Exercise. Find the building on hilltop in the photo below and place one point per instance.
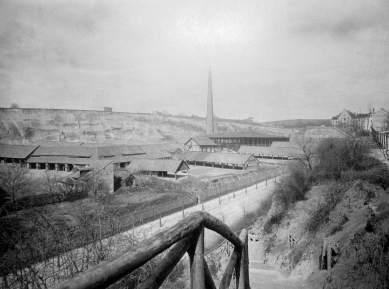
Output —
(348, 118)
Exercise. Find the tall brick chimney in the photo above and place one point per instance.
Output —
(209, 105)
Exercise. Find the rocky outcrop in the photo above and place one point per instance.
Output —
(24, 126)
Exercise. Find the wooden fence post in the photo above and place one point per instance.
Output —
(323, 251)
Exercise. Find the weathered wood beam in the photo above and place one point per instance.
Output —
(108, 272)
(244, 279)
(166, 266)
(209, 284)
(196, 254)
(214, 224)
(227, 276)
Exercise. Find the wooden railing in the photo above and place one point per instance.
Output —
(187, 236)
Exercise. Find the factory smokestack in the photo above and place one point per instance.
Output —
(209, 105)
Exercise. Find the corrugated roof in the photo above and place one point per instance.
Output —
(157, 165)
(202, 140)
(271, 151)
(16, 151)
(243, 135)
(66, 151)
(221, 158)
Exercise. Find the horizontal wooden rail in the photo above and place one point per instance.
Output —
(188, 235)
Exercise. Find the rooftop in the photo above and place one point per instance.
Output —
(157, 165)
(202, 140)
(220, 158)
(16, 151)
(243, 135)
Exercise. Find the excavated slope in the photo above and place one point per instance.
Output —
(23, 126)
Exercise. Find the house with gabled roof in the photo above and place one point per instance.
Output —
(201, 144)
(346, 117)
(157, 167)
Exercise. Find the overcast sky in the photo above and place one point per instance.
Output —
(270, 59)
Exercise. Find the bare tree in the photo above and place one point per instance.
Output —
(14, 180)
(49, 183)
(307, 153)
(14, 105)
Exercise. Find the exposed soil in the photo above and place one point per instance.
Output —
(357, 229)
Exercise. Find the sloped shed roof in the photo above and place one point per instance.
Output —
(158, 155)
(76, 151)
(202, 140)
(242, 135)
(273, 151)
(16, 151)
(221, 158)
(324, 132)
(158, 165)
(48, 143)
(285, 144)
(171, 147)
(60, 160)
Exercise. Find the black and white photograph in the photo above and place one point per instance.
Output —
(194, 144)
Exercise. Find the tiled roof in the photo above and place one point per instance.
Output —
(221, 158)
(242, 135)
(157, 165)
(202, 140)
(16, 151)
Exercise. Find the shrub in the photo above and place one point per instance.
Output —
(293, 188)
(319, 216)
(377, 175)
(274, 220)
(338, 227)
(334, 156)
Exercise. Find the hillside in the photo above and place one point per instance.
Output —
(23, 126)
(297, 123)
(343, 202)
